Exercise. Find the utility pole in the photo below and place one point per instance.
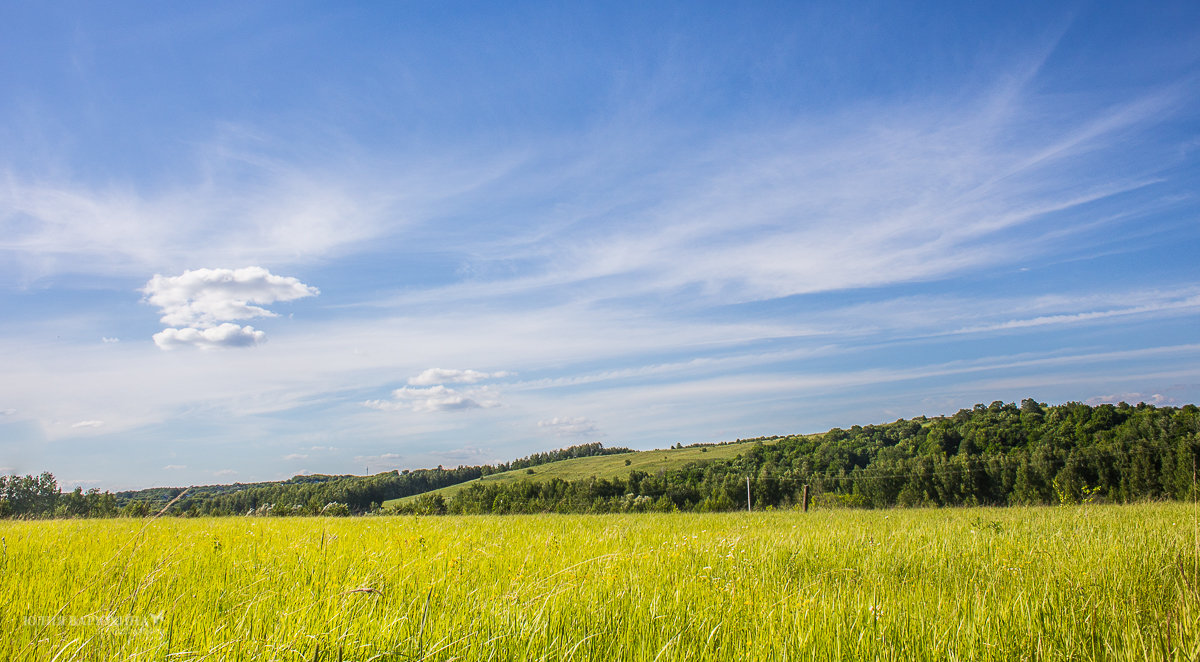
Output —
(748, 494)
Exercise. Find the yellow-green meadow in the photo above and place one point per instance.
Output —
(1078, 583)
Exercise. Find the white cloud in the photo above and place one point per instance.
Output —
(108, 340)
(225, 335)
(203, 298)
(225, 472)
(205, 302)
(7, 412)
(1182, 305)
(570, 427)
(175, 467)
(1148, 398)
(87, 424)
(434, 398)
(468, 455)
(448, 376)
(246, 202)
(387, 460)
(872, 197)
(295, 456)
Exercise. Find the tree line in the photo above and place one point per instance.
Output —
(998, 454)
(40, 496)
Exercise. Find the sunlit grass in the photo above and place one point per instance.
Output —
(1092, 582)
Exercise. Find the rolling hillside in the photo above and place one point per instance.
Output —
(607, 466)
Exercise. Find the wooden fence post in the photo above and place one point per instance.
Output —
(805, 498)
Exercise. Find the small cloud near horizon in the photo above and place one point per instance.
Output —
(569, 427)
(446, 376)
(434, 399)
(1131, 398)
(465, 455)
(80, 482)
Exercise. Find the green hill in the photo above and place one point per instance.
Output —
(606, 466)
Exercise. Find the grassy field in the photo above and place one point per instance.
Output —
(1078, 583)
(605, 466)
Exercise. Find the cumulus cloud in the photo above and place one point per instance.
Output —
(225, 335)
(201, 304)
(448, 376)
(428, 392)
(206, 297)
(88, 424)
(569, 427)
(434, 398)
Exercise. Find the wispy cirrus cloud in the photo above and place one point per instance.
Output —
(698, 280)
(243, 194)
(1184, 305)
(873, 198)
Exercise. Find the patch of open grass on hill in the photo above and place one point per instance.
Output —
(607, 466)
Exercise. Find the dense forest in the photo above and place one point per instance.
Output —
(999, 454)
(1002, 454)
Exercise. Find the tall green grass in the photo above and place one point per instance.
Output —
(1081, 583)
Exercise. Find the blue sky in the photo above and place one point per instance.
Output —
(240, 242)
